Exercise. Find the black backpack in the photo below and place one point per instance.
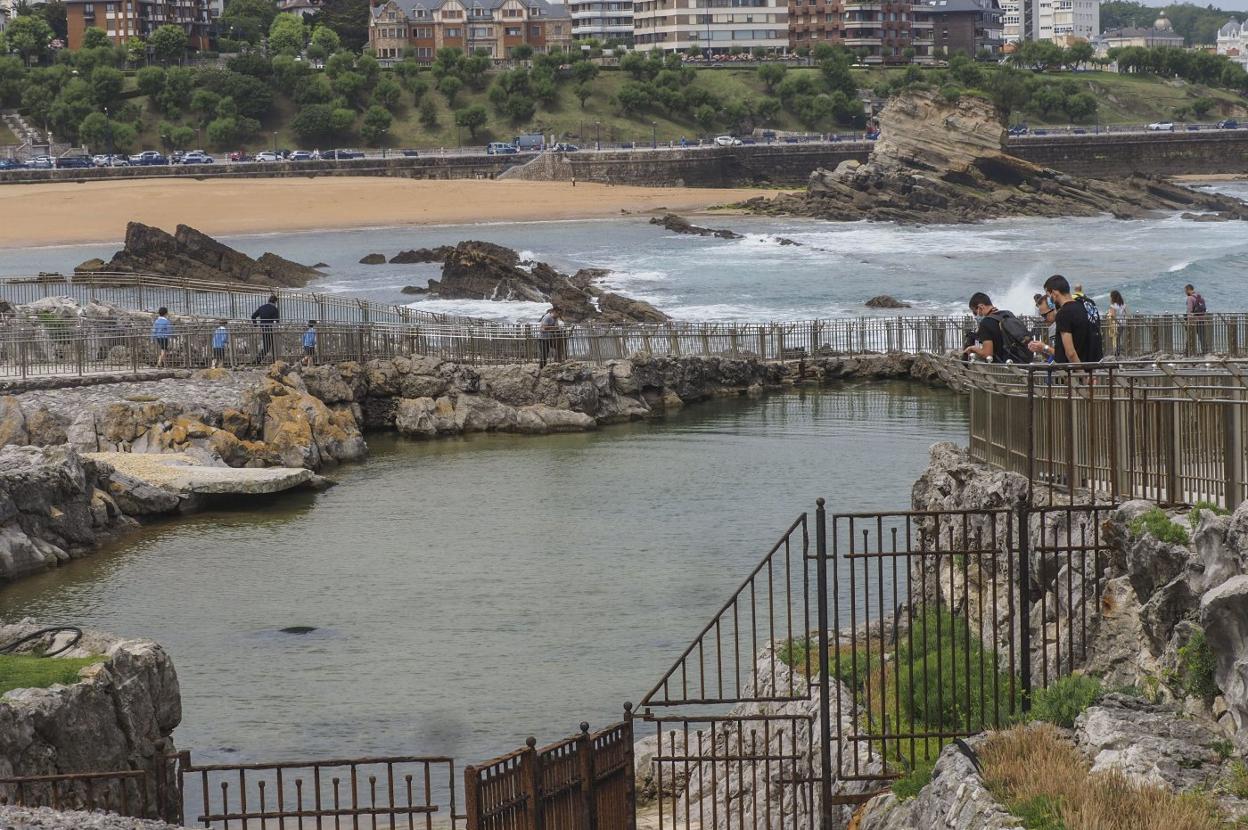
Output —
(1198, 304)
(1014, 337)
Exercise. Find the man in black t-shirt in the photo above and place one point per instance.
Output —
(1001, 336)
(1078, 337)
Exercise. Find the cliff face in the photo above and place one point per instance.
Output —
(945, 162)
(190, 254)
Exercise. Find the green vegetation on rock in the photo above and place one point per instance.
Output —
(1197, 665)
(1194, 517)
(1156, 523)
(1065, 700)
(24, 671)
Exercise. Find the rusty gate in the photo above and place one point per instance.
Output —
(839, 666)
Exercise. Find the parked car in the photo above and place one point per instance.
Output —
(566, 148)
(727, 141)
(1191, 128)
(409, 153)
(11, 164)
(41, 163)
(342, 154)
(72, 162)
(266, 155)
(239, 155)
(529, 143)
(500, 148)
(300, 155)
(115, 161)
(176, 156)
(198, 157)
(1018, 129)
(1161, 127)
(1228, 124)
(148, 157)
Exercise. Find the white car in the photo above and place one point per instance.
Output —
(727, 141)
(267, 155)
(1161, 127)
(197, 157)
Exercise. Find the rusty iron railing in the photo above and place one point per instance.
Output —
(581, 783)
(403, 791)
(132, 792)
(1170, 431)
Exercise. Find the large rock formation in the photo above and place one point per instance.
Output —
(946, 162)
(119, 715)
(194, 255)
(485, 271)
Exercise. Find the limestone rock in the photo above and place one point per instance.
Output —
(373, 259)
(885, 301)
(194, 255)
(1224, 616)
(139, 498)
(679, 224)
(45, 818)
(12, 422)
(1150, 743)
(418, 255)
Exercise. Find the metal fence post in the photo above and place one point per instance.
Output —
(630, 781)
(825, 694)
(1023, 620)
(1233, 454)
(1173, 434)
(585, 753)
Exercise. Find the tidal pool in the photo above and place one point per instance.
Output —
(468, 593)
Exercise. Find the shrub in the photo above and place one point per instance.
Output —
(1196, 667)
(908, 786)
(1156, 523)
(1062, 702)
(1194, 517)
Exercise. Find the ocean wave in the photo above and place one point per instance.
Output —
(516, 311)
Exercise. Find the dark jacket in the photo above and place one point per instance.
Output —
(266, 314)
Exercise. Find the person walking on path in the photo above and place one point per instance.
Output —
(162, 331)
(309, 344)
(220, 342)
(548, 331)
(266, 316)
(1117, 317)
(1078, 337)
(1197, 319)
(1001, 336)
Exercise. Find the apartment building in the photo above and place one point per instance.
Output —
(605, 20)
(717, 26)
(124, 19)
(1066, 21)
(970, 27)
(881, 31)
(492, 26)
(1016, 20)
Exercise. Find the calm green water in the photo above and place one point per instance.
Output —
(470, 593)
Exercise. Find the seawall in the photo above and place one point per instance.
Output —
(1208, 152)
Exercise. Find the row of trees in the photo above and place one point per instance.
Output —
(1197, 24)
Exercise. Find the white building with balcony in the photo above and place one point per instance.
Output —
(716, 26)
(1066, 21)
(604, 20)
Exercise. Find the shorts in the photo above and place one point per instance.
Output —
(162, 343)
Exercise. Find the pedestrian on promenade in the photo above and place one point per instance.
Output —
(1078, 336)
(266, 316)
(1197, 319)
(548, 331)
(1001, 336)
(220, 342)
(1117, 317)
(309, 344)
(162, 330)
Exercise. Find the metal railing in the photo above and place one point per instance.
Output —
(133, 792)
(1171, 431)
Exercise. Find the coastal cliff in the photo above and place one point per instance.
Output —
(945, 162)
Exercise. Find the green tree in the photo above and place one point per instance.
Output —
(248, 20)
(326, 41)
(429, 114)
(418, 88)
(376, 124)
(522, 52)
(1078, 54)
(1081, 106)
(93, 38)
(28, 36)
(388, 94)
(287, 35)
(135, 50)
(348, 19)
(706, 116)
(168, 43)
(473, 69)
(583, 92)
(106, 86)
(634, 96)
(450, 87)
(339, 62)
(1202, 106)
(315, 89)
(583, 72)
(342, 119)
(520, 108)
(314, 123)
(223, 133)
(772, 74)
(473, 117)
(351, 86)
(1008, 90)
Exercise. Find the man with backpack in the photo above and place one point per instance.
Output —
(1001, 336)
(1077, 325)
(1197, 318)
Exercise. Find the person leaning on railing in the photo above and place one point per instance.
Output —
(1077, 333)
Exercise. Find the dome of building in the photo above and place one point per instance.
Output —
(1163, 23)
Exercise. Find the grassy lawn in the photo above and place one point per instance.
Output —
(23, 671)
(6, 136)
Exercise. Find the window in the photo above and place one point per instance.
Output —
(536, 31)
(88, 9)
(454, 31)
(424, 52)
(514, 31)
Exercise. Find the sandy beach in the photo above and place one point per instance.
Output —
(68, 213)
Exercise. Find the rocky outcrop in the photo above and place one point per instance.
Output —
(956, 799)
(373, 259)
(885, 301)
(946, 162)
(54, 506)
(679, 224)
(194, 255)
(485, 271)
(119, 715)
(418, 255)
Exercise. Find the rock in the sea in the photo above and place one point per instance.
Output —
(885, 301)
(941, 161)
(679, 224)
(417, 255)
(373, 259)
(194, 255)
(413, 289)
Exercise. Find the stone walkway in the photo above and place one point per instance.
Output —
(181, 473)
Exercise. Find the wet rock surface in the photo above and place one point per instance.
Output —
(191, 254)
(679, 224)
(885, 301)
(418, 255)
(939, 162)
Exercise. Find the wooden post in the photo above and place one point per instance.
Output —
(585, 754)
(531, 786)
(472, 798)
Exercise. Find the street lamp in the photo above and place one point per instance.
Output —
(108, 131)
(654, 135)
(383, 141)
(597, 135)
(275, 145)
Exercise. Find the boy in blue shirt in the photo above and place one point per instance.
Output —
(220, 340)
(309, 344)
(162, 330)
